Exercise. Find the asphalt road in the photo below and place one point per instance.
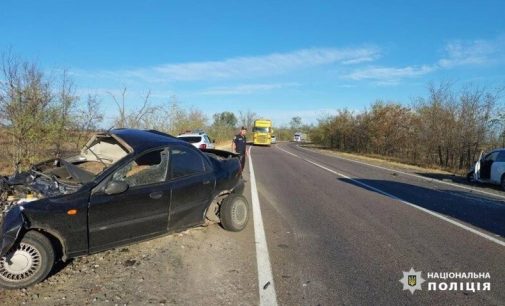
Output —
(337, 233)
(343, 233)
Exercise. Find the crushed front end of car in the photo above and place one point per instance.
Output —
(31, 186)
(19, 189)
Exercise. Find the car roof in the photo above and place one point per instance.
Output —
(141, 140)
(191, 134)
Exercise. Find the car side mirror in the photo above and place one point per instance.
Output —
(116, 187)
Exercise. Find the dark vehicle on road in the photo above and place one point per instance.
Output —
(126, 185)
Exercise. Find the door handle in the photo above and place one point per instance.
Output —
(156, 195)
(206, 182)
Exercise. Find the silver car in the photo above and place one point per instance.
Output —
(199, 140)
(490, 168)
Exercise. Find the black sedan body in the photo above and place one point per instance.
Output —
(147, 184)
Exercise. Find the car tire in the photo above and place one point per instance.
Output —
(502, 182)
(29, 264)
(234, 213)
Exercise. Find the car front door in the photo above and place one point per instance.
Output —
(138, 212)
(193, 183)
(498, 167)
(486, 164)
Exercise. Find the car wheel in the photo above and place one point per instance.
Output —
(502, 183)
(30, 263)
(234, 213)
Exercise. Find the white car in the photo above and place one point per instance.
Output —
(297, 137)
(274, 139)
(490, 168)
(199, 140)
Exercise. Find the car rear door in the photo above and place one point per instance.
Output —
(137, 213)
(192, 182)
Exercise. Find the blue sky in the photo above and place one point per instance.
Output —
(277, 58)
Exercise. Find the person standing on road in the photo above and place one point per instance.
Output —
(238, 145)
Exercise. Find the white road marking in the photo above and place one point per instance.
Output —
(265, 276)
(463, 226)
(418, 176)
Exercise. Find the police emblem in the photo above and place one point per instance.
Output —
(412, 280)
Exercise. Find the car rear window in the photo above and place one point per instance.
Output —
(191, 139)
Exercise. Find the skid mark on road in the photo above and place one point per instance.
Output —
(437, 215)
(265, 278)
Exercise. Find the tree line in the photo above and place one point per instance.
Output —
(173, 119)
(41, 116)
(39, 113)
(448, 128)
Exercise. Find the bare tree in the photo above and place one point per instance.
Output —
(247, 118)
(60, 112)
(136, 118)
(295, 123)
(120, 121)
(87, 119)
(141, 118)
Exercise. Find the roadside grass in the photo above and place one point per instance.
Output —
(384, 161)
(223, 145)
(42, 152)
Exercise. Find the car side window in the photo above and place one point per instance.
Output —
(149, 168)
(491, 156)
(501, 157)
(207, 139)
(185, 162)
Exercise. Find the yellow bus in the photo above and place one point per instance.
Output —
(262, 132)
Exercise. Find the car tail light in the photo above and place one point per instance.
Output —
(203, 146)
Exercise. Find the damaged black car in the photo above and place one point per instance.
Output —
(126, 185)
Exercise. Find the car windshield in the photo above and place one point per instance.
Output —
(191, 139)
(261, 129)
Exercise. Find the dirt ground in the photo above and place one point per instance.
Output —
(205, 265)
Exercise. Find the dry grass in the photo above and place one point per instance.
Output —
(44, 152)
(384, 161)
(223, 145)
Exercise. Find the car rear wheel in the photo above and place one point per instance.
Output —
(29, 263)
(234, 213)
